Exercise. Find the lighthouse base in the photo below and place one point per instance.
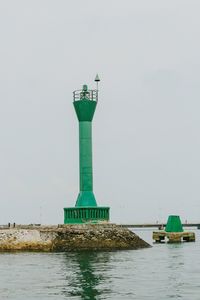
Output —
(87, 214)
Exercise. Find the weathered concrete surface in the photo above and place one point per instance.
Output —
(173, 237)
(69, 238)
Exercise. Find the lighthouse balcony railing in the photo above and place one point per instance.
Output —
(91, 95)
(78, 215)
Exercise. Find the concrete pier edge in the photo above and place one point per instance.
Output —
(63, 238)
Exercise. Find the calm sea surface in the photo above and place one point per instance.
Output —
(161, 272)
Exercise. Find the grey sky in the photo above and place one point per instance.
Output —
(146, 142)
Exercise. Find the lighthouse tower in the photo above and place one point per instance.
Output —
(86, 209)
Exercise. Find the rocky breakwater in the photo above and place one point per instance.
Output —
(69, 238)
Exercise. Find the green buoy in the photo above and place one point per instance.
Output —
(86, 209)
(174, 224)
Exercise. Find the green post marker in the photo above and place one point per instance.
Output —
(86, 209)
(174, 224)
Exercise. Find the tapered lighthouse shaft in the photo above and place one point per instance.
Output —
(85, 108)
(85, 156)
(86, 209)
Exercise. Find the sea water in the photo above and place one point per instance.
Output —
(165, 271)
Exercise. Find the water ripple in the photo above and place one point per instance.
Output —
(159, 273)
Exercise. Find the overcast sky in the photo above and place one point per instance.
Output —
(146, 141)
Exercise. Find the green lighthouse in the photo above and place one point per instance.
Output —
(86, 209)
